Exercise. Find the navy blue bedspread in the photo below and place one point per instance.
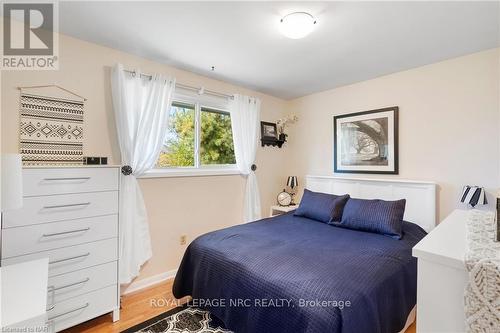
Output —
(293, 274)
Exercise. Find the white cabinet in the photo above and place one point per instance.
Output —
(442, 277)
(70, 216)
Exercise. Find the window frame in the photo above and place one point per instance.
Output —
(199, 102)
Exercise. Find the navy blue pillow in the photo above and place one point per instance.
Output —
(379, 216)
(322, 207)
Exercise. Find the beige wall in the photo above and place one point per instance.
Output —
(449, 133)
(448, 127)
(176, 206)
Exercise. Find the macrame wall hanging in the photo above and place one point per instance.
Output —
(51, 126)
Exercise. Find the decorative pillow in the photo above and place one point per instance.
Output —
(379, 216)
(322, 207)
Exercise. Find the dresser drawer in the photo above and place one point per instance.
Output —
(45, 181)
(82, 308)
(66, 286)
(49, 236)
(69, 259)
(53, 208)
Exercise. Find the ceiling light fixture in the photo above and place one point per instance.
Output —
(297, 25)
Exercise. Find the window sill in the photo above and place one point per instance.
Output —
(166, 173)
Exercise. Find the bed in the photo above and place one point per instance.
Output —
(294, 274)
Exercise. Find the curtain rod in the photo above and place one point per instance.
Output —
(200, 90)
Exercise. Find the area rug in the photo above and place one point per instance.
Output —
(181, 320)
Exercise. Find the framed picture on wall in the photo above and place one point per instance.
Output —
(366, 142)
(268, 130)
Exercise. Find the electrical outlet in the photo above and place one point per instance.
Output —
(183, 239)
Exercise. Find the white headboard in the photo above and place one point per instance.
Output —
(420, 195)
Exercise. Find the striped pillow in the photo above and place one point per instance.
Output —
(378, 216)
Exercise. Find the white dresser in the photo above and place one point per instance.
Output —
(69, 215)
(442, 276)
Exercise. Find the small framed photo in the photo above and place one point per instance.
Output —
(268, 130)
(366, 142)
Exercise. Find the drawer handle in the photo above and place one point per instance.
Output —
(68, 312)
(52, 288)
(70, 258)
(65, 178)
(52, 292)
(65, 232)
(67, 205)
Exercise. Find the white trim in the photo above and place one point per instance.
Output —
(197, 134)
(190, 172)
(384, 180)
(192, 97)
(148, 282)
(198, 102)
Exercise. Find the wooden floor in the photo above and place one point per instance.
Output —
(137, 308)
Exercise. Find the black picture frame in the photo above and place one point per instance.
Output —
(391, 149)
(265, 131)
(269, 135)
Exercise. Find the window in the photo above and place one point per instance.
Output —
(179, 147)
(216, 142)
(199, 138)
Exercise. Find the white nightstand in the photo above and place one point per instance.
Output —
(278, 210)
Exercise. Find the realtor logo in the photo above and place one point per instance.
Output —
(29, 36)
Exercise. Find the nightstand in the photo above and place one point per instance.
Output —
(278, 210)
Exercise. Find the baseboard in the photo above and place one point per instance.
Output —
(147, 282)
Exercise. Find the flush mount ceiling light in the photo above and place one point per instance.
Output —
(297, 25)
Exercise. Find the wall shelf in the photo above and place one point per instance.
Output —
(272, 142)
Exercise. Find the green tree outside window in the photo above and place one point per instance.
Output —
(216, 145)
(216, 139)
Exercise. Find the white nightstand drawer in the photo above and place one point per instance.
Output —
(66, 286)
(82, 308)
(69, 259)
(45, 181)
(53, 208)
(49, 236)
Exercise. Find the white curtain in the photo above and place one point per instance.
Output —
(141, 106)
(245, 118)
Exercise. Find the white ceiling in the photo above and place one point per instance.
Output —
(352, 42)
